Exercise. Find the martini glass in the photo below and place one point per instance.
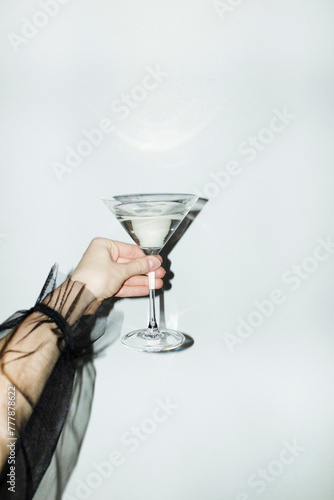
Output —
(150, 220)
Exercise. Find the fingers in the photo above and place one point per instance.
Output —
(159, 273)
(129, 251)
(124, 260)
(138, 290)
(139, 266)
(137, 286)
(112, 267)
(142, 280)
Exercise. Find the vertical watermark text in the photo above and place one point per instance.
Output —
(11, 429)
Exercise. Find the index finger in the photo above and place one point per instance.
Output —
(129, 251)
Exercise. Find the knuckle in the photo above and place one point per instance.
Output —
(96, 241)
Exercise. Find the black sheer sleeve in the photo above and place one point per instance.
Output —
(38, 351)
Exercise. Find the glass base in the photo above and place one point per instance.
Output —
(162, 340)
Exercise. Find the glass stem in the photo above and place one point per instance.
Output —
(152, 322)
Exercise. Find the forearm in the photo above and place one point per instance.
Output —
(26, 362)
(28, 354)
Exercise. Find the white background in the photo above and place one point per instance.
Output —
(227, 70)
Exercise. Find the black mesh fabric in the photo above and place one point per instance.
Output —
(76, 330)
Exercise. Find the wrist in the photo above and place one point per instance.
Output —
(72, 300)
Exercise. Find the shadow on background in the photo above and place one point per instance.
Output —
(188, 343)
(183, 227)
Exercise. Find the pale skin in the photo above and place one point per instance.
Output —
(107, 268)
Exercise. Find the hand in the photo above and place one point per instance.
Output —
(114, 268)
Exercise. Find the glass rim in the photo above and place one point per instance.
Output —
(141, 195)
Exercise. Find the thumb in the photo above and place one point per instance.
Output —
(140, 266)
